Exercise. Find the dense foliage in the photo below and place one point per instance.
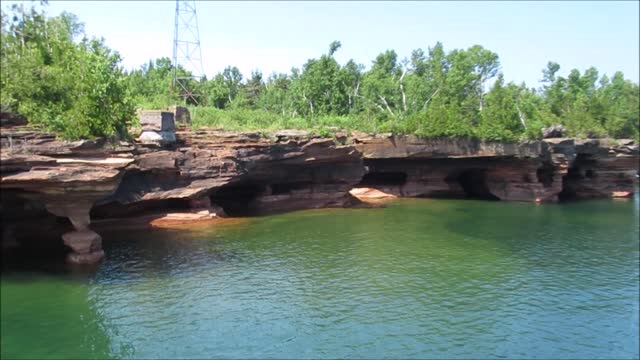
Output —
(56, 77)
(76, 88)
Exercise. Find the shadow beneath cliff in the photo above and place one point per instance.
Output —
(473, 183)
(256, 198)
(118, 210)
(31, 237)
(393, 178)
(575, 184)
(236, 199)
(34, 260)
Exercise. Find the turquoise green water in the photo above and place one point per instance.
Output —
(418, 279)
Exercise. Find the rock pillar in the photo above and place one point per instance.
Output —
(204, 203)
(85, 243)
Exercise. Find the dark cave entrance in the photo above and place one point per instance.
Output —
(474, 184)
(116, 209)
(545, 175)
(287, 188)
(236, 199)
(578, 174)
(574, 175)
(374, 179)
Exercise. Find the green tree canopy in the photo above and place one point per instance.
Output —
(56, 77)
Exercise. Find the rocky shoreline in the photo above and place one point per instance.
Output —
(207, 174)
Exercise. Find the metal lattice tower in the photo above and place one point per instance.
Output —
(186, 49)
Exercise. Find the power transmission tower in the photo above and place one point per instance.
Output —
(186, 50)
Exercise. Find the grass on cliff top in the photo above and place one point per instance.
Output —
(324, 125)
(261, 120)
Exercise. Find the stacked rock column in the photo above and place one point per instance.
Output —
(85, 243)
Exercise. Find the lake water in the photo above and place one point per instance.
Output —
(420, 278)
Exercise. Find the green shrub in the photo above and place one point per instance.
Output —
(75, 89)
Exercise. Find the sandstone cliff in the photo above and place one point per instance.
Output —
(239, 174)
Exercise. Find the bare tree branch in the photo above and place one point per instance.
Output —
(404, 96)
(387, 105)
(308, 101)
(521, 116)
(430, 97)
(355, 95)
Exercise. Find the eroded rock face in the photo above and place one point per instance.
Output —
(66, 177)
(243, 173)
(536, 171)
(409, 166)
(210, 173)
(601, 169)
(86, 245)
(411, 147)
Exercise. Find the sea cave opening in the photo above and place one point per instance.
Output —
(573, 176)
(287, 188)
(580, 172)
(392, 178)
(545, 175)
(474, 184)
(236, 199)
(116, 209)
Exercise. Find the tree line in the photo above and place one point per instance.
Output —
(58, 78)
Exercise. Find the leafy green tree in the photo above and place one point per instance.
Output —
(380, 85)
(151, 85)
(323, 89)
(56, 77)
(501, 118)
(276, 95)
(216, 92)
(620, 107)
(232, 79)
(251, 90)
(591, 106)
(351, 78)
(75, 88)
(334, 46)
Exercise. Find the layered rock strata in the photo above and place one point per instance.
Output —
(66, 178)
(540, 171)
(212, 173)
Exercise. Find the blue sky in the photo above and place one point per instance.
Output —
(274, 36)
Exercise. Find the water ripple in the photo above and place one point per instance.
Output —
(418, 279)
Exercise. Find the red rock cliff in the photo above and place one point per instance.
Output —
(247, 173)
